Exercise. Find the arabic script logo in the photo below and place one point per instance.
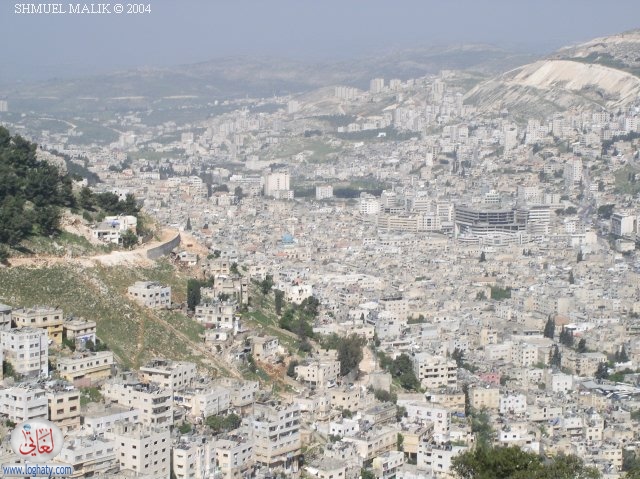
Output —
(37, 440)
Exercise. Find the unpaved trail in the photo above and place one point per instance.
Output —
(136, 256)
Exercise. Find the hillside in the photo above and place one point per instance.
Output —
(135, 334)
(603, 72)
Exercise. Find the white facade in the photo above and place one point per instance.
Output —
(27, 350)
(150, 294)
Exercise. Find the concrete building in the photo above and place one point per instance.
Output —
(100, 418)
(23, 403)
(79, 331)
(27, 350)
(194, 457)
(434, 372)
(167, 374)
(203, 402)
(155, 404)
(150, 294)
(218, 314)
(275, 182)
(234, 456)
(113, 227)
(64, 408)
(324, 192)
(5, 317)
(44, 317)
(376, 85)
(276, 434)
(86, 367)
(143, 450)
(623, 224)
(318, 373)
(90, 456)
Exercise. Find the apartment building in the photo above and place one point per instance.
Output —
(434, 372)
(23, 403)
(143, 450)
(318, 373)
(27, 350)
(99, 418)
(218, 314)
(89, 456)
(155, 404)
(203, 402)
(276, 434)
(80, 331)
(64, 407)
(373, 442)
(484, 398)
(264, 347)
(43, 317)
(5, 317)
(242, 393)
(194, 457)
(234, 456)
(150, 294)
(86, 367)
(167, 374)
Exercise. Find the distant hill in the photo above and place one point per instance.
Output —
(254, 77)
(602, 72)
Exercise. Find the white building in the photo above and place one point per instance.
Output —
(24, 403)
(324, 192)
(27, 350)
(169, 374)
(150, 294)
(143, 450)
(276, 182)
(376, 85)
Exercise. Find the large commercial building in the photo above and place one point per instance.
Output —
(483, 222)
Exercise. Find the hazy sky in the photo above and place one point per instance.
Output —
(187, 31)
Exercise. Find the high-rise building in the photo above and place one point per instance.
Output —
(4, 106)
(376, 85)
(324, 192)
(276, 181)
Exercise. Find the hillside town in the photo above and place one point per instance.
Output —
(384, 280)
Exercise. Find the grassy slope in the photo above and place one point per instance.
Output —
(135, 334)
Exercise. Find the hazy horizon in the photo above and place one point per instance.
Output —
(175, 33)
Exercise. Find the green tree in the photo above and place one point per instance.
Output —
(350, 353)
(266, 284)
(550, 328)
(621, 355)
(556, 357)
(566, 337)
(602, 372)
(367, 474)
(399, 442)
(129, 239)
(458, 357)
(86, 201)
(514, 463)
(580, 257)
(193, 293)
(279, 301)
(582, 346)
(572, 279)
(291, 369)
(233, 269)
(483, 257)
